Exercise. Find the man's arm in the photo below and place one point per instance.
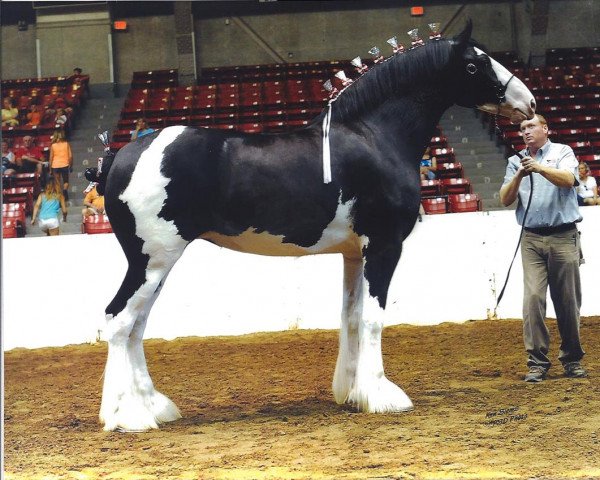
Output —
(560, 178)
(510, 191)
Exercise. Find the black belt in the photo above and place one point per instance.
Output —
(550, 230)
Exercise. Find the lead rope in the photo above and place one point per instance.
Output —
(522, 224)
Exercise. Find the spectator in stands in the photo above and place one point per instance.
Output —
(9, 167)
(61, 161)
(141, 129)
(60, 119)
(93, 201)
(428, 165)
(47, 205)
(80, 80)
(34, 117)
(29, 157)
(10, 113)
(587, 191)
(550, 248)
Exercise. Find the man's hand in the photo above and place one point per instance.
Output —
(529, 165)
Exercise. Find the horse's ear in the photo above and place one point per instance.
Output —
(462, 39)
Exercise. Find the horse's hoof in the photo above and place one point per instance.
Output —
(138, 413)
(380, 396)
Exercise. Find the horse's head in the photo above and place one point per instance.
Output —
(487, 85)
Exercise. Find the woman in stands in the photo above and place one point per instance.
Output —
(61, 160)
(428, 165)
(48, 204)
(587, 191)
(34, 116)
(93, 202)
(9, 167)
(10, 114)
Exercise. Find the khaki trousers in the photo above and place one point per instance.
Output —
(551, 261)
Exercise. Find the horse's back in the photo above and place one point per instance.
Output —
(213, 182)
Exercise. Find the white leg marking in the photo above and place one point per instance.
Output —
(345, 368)
(372, 391)
(359, 377)
(129, 400)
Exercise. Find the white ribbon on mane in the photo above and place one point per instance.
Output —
(326, 148)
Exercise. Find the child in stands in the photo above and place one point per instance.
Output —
(48, 204)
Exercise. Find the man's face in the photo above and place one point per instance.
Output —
(535, 134)
(27, 141)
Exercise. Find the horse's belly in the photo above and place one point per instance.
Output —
(264, 243)
(337, 237)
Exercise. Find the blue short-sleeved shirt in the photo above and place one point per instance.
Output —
(551, 206)
(49, 208)
(142, 133)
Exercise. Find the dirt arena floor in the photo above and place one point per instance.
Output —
(260, 407)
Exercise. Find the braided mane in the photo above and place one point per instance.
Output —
(393, 77)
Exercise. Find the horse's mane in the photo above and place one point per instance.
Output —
(392, 77)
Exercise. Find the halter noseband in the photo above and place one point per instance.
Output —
(501, 90)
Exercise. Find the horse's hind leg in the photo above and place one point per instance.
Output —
(129, 400)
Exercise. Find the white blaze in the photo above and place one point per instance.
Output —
(518, 103)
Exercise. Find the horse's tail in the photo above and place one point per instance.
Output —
(100, 174)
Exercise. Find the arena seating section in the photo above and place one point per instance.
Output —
(20, 190)
(283, 97)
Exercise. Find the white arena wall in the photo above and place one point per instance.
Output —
(55, 289)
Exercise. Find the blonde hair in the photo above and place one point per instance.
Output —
(588, 170)
(53, 189)
(58, 136)
(541, 119)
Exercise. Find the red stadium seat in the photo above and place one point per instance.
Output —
(434, 206)
(93, 224)
(19, 195)
(27, 180)
(464, 202)
(455, 185)
(449, 170)
(9, 228)
(19, 219)
(431, 188)
(249, 127)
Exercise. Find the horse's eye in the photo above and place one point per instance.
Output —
(471, 68)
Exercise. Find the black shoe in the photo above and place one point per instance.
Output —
(574, 370)
(535, 374)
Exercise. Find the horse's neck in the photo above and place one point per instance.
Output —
(410, 120)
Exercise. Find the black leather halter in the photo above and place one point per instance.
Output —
(501, 90)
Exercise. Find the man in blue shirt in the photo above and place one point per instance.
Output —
(141, 129)
(550, 247)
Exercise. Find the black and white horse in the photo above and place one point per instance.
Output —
(265, 194)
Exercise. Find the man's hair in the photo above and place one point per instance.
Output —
(541, 119)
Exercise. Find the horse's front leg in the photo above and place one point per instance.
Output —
(345, 369)
(360, 372)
